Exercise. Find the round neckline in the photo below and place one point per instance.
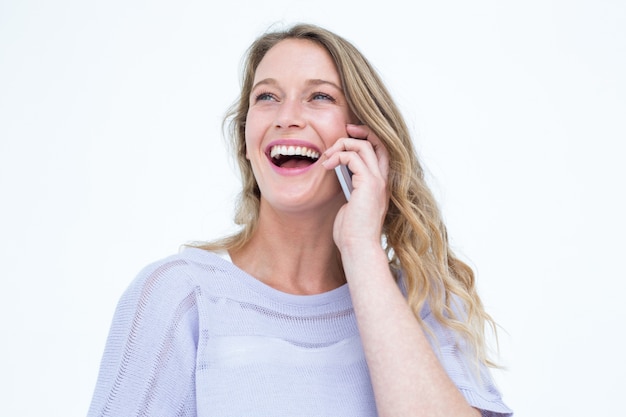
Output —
(340, 294)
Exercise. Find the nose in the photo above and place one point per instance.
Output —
(290, 114)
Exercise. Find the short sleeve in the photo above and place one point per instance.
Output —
(148, 365)
(474, 381)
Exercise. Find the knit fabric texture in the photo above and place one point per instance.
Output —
(193, 335)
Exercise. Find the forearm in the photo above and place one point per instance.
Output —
(407, 378)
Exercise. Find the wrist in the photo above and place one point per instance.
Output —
(359, 250)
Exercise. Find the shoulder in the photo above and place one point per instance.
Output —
(180, 271)
(150, 355)
(165, 297)
(172, 282)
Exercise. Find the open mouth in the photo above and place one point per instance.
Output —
(293, 156)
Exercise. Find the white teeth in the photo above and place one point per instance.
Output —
(279, 150)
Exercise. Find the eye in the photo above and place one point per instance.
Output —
(264, 96)
(322, 96)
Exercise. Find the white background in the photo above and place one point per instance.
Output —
(111, 156)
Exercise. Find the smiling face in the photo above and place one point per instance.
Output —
(297, 110)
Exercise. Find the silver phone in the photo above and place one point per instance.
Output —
(345, 179)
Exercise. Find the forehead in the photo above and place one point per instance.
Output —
(297, 58)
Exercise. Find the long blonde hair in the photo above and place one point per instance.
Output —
(415, 236)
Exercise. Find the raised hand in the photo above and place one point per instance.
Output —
(360, 221)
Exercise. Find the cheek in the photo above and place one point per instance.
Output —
(249, 134)
(255, 128)
(334, 128)
(247, 145)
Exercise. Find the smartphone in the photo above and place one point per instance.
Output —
(345, 179)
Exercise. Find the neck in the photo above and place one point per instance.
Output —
(294, 253)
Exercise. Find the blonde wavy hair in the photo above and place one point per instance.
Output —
(414, 235)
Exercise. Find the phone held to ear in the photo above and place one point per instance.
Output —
(345, 179)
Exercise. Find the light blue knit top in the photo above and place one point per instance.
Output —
(194, 335)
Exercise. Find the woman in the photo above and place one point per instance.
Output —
(318, 306)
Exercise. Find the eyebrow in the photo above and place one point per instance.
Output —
(314, 82)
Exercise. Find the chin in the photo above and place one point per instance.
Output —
(305, 202)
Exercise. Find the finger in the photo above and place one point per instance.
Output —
(349, 158)
(364, 132)
(358, 131)
(382, 155)
(362, 148)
